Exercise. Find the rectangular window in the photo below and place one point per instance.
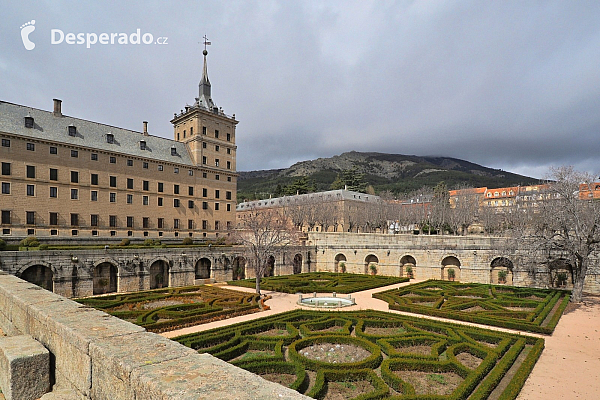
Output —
(113, 197)
(205, 205)
(113, 160)
(53, 192)
(5, 188)
(190, 224)
(229, 137)
(203, 145)
(94, 220)
(74, 194)
(216, 206)
(53, 218)
(30, 190)
(204, 130)
(145, 222)
(5, 168)
(228, 164)
(204, 192)
(145, 200)
(112, 221)
(161, 223)
(129, 183)
(146, 185)
(74, 177)
(129, 199)
(94, 156)
(176, 170)
(175, 189)
(228, 195)
(6, 217)
(130, 222)
(204, 175)
(228, 207)
(30, 171)
(228, 151)
(190, 203)
(145, 165)
(5, 142)
(113, 181)
(53, 174)
(204, 161)
(216, 225)
(216, 162)
(216, 134)
(191, 172)
(160, 187)
(228, 179)
(94, 195)
(94, 179)
(204, 225)
(74, 153)
(175, 202)
(74, 219)
(30, 217)
(217, 177)
(217, 194)
(217, 147)
(130, 163)
(190, 190)
(176, 223)
(160, 201)
(160, 167)
(31, 146)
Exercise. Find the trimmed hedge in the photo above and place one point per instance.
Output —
(321, 282)
(276, 344)
(538, 310)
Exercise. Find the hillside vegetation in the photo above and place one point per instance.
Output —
(396, 173)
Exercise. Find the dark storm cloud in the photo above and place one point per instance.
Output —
(511, 85)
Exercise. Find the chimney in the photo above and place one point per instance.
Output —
(145, 128)
(57, 108)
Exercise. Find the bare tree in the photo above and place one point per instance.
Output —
(563, 226)
(465, 211)
(261, 232)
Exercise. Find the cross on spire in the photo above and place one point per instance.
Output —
(206, 42)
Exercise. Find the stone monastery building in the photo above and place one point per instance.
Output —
(67, 177)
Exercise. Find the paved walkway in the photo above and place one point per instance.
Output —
(569, 367)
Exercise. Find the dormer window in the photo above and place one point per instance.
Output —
(72, 129)
(173, 151)
(110, 138)
(142, 145)
(28, 121)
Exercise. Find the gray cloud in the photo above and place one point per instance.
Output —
(510, 85)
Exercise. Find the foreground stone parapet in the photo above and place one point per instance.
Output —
(24, 368)
(100, 357)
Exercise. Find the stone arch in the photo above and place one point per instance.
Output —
(104, 277)
(40, 274)
(159, 273)
(371, 259)
(499, 264)
(297, 264)
(407, 261)
(558, 267)
(270, 269)
(239, 268)
(340, 263)
(202, 269)
(450, 262)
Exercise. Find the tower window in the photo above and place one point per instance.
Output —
(204, 130)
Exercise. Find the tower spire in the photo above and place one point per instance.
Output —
(205, 99)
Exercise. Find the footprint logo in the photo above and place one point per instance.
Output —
(26, 29)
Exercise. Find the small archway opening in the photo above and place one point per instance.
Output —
(40, 275)
(450, 268)
(270, 269)
(105, 278)
(560, 273)
(501, 271)
(203, 268)
(239, 268)
(159, 274)
(297, 264)
(371, 263)
(408, 265)
(340, 263)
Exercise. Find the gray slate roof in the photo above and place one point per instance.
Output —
(90, 134)
(330, 195)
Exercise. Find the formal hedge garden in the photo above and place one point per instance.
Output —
(321, 282)
(526, 309)
(173, 308)
(375, 355)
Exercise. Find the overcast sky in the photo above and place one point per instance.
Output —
(507, 84)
